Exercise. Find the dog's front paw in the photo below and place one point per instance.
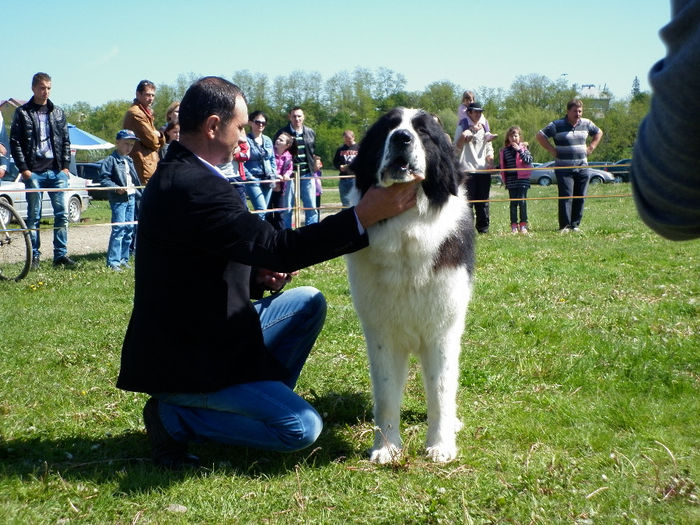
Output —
(385, 454)
(442, 453)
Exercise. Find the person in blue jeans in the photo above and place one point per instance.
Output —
(260, 166)
(305, 139)
(218, 358)
(118, 171)
(40, 147)
(263, 414)
(571, 151)
(342, 160)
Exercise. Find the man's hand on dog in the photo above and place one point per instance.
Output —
(380, 203)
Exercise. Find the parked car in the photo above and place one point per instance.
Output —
(545, 177)
(12, 191)
(621, 169)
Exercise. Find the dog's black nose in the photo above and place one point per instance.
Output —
(401, 137)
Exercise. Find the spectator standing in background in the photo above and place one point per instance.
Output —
(464, 122)
(305, 139)
(171, 115)
(40, 147)
(284, 167)
(570, 150)
(139, 119)
(514, 154)
(4, 157)
(118, 172)
(317, 174)
(171, 132)
(260, 166)
(344, 156)
(475, 154)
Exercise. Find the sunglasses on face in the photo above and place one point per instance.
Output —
(260, 122)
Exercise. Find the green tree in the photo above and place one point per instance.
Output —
(387, 82)
(635, 87)
(78, 113)
(440, 95)
(539, 91)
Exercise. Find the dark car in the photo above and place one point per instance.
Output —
(600, 164)
(91, 172)
(621, 169)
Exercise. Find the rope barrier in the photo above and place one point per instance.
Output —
(297, 209)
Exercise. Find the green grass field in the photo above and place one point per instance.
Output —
(579, 394)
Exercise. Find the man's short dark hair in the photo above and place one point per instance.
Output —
(575, 102)
(208, 96)
(40, 77)
(143, 85)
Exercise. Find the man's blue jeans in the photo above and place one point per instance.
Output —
(307, 188)
(262, 414)
(120, 239)
(53, 180)
(571, 183)
(345, 186)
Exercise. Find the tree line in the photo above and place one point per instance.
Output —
(355, 99)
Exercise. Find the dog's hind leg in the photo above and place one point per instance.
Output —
(388, 368)
(440, 363)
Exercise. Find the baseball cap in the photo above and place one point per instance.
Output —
(474, 106)
(126, 134)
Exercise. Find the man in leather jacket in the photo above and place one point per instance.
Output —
(40, 147)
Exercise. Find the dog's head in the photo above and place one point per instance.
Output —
(403, 145)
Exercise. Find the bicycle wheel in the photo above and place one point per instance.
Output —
(15, 244)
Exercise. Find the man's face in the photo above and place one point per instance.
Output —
(296, 117)
(227, 137)
(574, 114)
(41, 91)
(146, 96)
(349, 139)
(474, 115)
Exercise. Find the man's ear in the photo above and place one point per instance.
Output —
(211, 125)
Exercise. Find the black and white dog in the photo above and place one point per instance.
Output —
(412, 285)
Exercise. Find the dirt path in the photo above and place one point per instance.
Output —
(83, 239)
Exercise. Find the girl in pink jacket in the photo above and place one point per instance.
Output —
(515, 154)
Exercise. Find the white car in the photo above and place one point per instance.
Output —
(77, 198)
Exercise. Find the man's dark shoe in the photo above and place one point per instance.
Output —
(64, 261)
(165, 451)
(35, 262)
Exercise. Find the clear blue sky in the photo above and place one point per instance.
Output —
(97, 51)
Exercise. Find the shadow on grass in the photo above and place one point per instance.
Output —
(89, 257)
(124, 459)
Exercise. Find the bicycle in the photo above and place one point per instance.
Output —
(15, 244)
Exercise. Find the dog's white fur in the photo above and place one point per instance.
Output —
(408, 305)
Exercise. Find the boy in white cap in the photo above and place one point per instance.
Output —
(118, 171)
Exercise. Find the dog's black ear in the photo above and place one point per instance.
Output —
(371, 149)
(442, 176)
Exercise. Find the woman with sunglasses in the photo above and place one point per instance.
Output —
(260, 168)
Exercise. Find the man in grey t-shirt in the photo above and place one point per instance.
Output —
(570, 134)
